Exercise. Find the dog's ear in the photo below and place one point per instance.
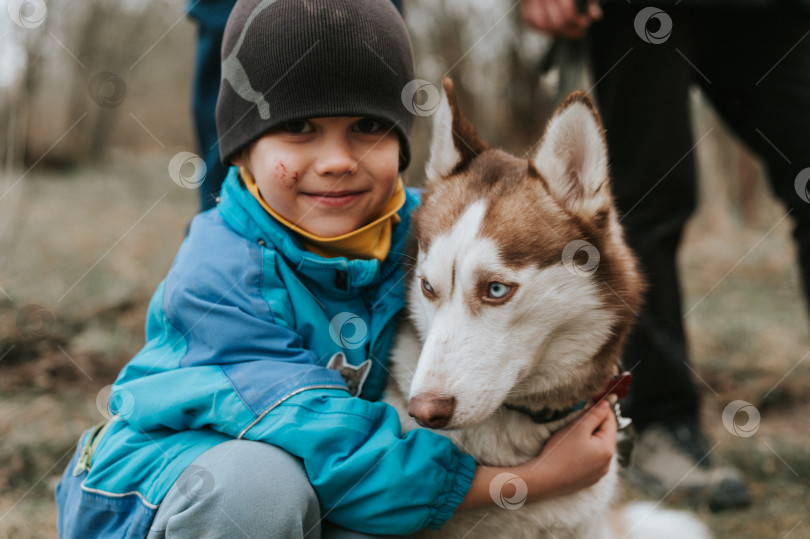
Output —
(455, 142)
(573, 157)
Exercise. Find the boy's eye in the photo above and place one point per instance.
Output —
(297, 126)
(369, 125)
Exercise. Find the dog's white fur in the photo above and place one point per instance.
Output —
(553, 342)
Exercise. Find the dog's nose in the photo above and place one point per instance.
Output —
(432, 410)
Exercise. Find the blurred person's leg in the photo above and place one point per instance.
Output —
(642, 89)
(211, 16)
(759, 70)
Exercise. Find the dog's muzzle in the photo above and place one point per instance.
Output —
(432, 410)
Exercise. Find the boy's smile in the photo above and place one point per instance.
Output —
(329, 176)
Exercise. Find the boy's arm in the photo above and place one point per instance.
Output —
(373, 479)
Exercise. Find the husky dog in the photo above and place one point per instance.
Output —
(521, 295)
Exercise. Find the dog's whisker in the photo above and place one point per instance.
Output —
(404, 254)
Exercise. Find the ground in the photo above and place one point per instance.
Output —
(83, 250)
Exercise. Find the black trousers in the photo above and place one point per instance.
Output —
(754, 66)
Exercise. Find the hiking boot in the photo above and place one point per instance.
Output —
(675, 460)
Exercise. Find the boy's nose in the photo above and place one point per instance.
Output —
(336, 158)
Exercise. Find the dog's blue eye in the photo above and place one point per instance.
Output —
(498, 290)
(427, 288)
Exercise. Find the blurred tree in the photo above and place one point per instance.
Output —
(72, 97)
(26, 45)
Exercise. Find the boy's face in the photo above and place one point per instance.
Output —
(329, 176)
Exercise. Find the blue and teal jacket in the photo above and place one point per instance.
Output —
(237, 341)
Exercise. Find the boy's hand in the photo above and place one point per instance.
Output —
(579, 455)
(560, 18)
(574, 458)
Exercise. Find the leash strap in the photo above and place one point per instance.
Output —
(626, 437)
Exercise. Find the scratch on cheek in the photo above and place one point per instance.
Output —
(281, 174)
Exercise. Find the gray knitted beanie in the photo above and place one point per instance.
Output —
(286, 60)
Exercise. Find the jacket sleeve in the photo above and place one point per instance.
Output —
(368, 475)
(217, 358)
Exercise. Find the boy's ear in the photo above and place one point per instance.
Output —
(455, 142)
(573, 157)
(239, 158)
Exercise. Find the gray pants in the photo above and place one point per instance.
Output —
(244, 489)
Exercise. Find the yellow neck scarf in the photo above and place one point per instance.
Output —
(370, 241)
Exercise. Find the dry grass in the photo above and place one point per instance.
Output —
(749, 341)
(88, 247)
(748, 327)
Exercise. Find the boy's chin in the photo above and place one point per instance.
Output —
(330, 228)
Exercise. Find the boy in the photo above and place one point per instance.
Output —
(229, 421)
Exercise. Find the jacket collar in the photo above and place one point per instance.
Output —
(243, 213)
